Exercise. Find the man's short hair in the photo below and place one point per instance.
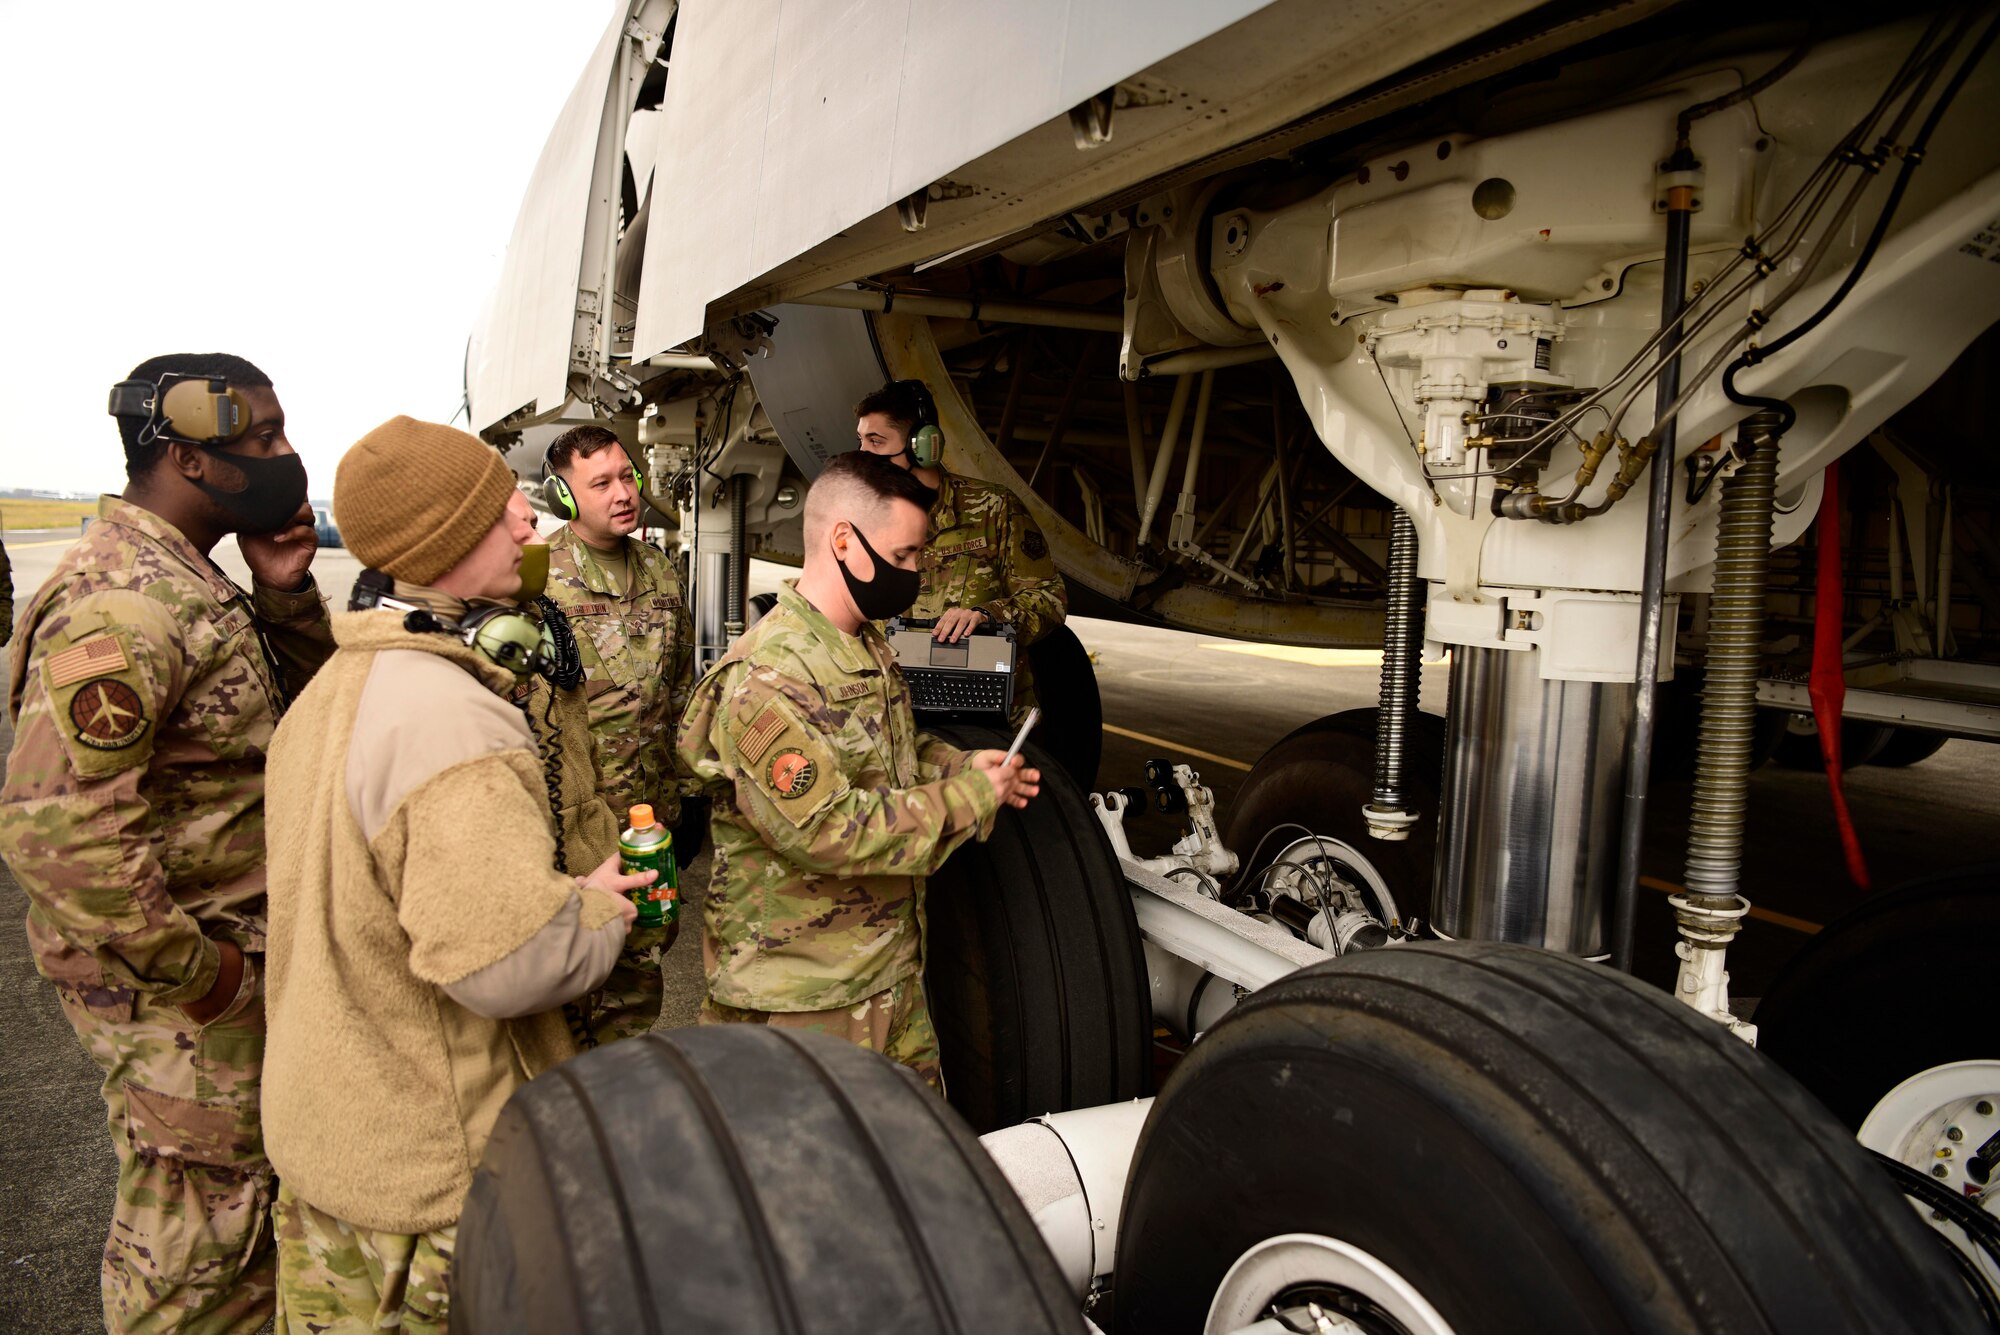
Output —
(858, 487)
(895, 401)
(139, 459)
(580, 442)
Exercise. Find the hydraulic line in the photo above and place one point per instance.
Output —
(1729, 686)
(1920, 65)
(1920, 71)
(1652, 592)
(1913, 157)
(1389, 815)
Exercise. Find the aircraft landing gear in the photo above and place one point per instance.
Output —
(1520, 1140)
(1318, 778)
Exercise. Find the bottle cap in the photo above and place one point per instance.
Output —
(642, 816)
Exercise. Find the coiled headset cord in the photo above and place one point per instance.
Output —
(564, 673)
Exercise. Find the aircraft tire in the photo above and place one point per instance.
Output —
(1888, 990)
(1524, 1140)
(736, 1178)
(1036, 976)
(1072, 726)
(1320, 776)
(1909, 746)
(1860, 743)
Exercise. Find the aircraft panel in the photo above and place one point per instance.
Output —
(870, 102)
(519, 356)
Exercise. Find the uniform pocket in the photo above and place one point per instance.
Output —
(164, 1126)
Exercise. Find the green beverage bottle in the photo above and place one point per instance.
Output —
(649, 846)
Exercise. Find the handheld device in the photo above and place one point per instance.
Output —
(1027, 725)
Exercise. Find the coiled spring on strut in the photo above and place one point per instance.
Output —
(1400, 651)
(1729, 687)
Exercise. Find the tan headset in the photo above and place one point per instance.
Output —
(194, 409)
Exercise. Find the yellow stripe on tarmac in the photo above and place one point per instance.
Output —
(1772, 916)
(52, 542)
(1166, 745)
(1291, 653)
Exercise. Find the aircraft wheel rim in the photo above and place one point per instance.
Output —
(1341, 853)
(1350, 1284)
(1913, 1123)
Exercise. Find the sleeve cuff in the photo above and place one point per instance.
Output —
(976, 805)
(287, 605)
(207, 965)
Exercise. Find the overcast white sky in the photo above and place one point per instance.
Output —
(324, 189)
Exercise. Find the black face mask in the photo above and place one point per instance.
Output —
(274, 490)
(889, 594)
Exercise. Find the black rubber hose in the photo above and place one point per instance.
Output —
(1749, 90)
(1912, 158)
(1979, 1226)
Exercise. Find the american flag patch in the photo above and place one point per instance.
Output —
(767, 728)
(95, 658)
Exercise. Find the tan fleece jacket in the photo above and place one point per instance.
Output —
(421, 938)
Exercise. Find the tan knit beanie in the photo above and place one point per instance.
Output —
(412, 498)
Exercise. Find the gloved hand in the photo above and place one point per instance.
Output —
(691, 830)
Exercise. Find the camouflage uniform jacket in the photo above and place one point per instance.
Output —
(6, 596)
(144, 689)
(830, 809)
(638, 663)
(983, 550)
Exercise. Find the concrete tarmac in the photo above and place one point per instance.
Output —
(1211, 703)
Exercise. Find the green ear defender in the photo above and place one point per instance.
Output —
(558, 497)
(562, 501)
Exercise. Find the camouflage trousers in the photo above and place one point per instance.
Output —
(629, 1002)
(337, 1278)
(190, 1243)
(895, 1022)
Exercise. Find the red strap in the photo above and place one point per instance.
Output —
(1828, 688)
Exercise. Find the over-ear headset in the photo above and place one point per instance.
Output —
(193, 409)
(504, 635)
(927, 441)
(562, 501)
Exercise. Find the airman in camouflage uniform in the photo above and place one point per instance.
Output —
(637, 643)
(6, 596)
(985, 559)
(638, 663)
(144, 690)
(831, 808)
(984, 551)
(334, 1273)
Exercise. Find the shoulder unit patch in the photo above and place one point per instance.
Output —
(107, 715)
(793, 773)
